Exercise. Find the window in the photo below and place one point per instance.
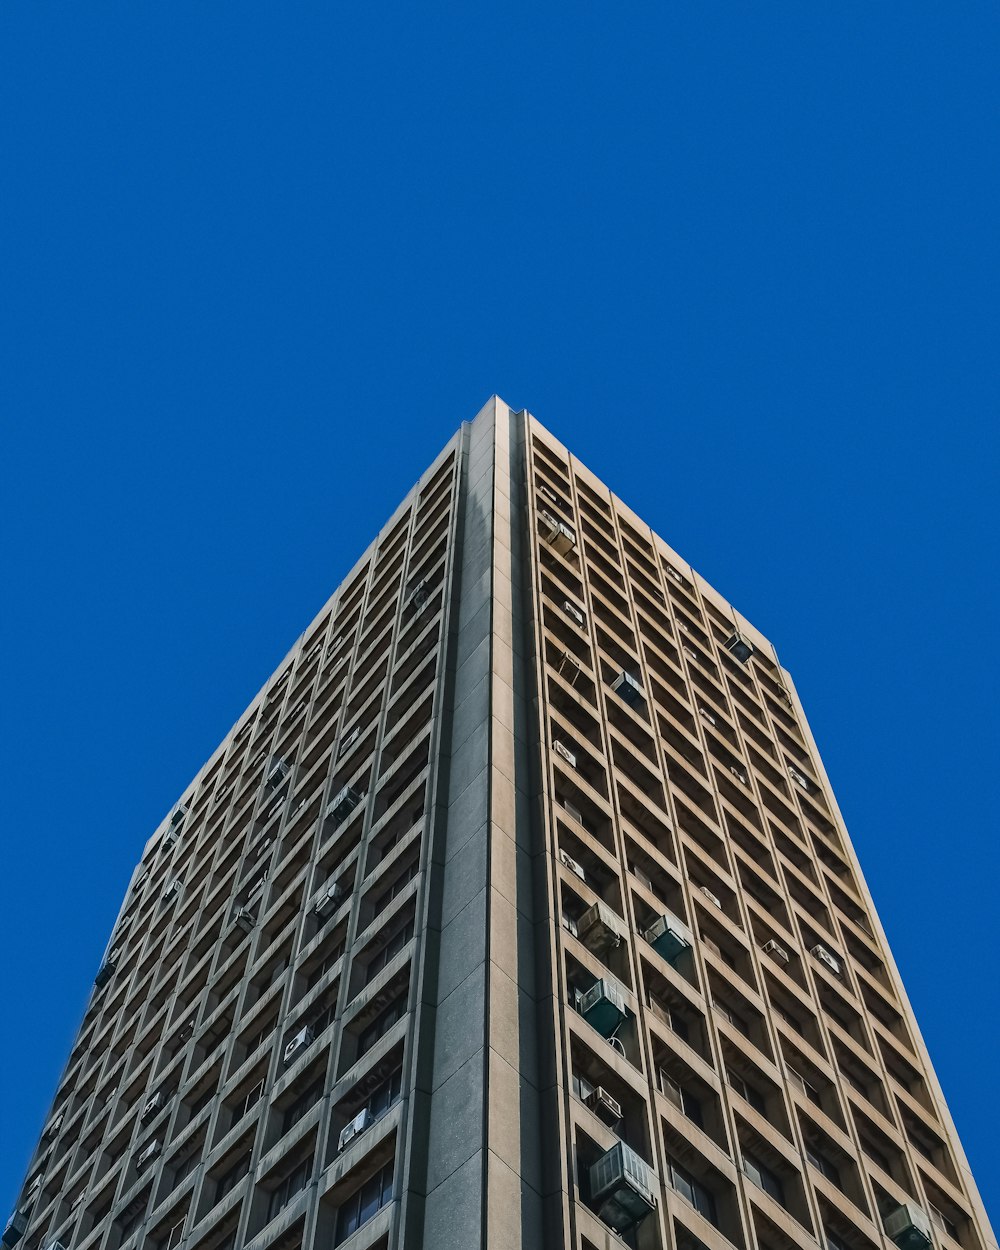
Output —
(747, 1092)
(305, 1102)
(252, 1098)
(296, 1180)
(397, 887)
(834, 1242)
(810, 1091)
(383, 1098)
(822, 1164)
(692, 1190)
(364, 1203)
(232, 1176)
(389, 951)
(941, 1222)
(681, 1099)
(381, 1025)
(172, 1236)
(763, 1177)
(737, 1021)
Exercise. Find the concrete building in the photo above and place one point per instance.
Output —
(515, 912)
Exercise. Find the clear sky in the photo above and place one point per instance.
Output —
(258, 261)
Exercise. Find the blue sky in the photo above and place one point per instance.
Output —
(742, 259)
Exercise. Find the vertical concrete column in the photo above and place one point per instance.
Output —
(480, 1079)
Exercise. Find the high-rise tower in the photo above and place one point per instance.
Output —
(515, 912)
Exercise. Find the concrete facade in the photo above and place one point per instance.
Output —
(516, 913)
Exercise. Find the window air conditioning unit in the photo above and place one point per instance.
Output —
(168, 842)
(628, 689)
(574, 613)
(297, 1044)
(349, 741)
(105, 972)
(53, 1126)
(707, 715)
(177, 819)
(713, 898)
(738, 773)
(328, 900)
(364, 1119)
(623, 1188)
(739, 647)
(153, 1105)
(343, 803)
(276, 774)
(418, 596)
(597, 928)
(564, 753)
(909, 1227)
(148, 1154)
(572, 865)
(172, 890)
(669, 937)
(826, 957)
(603, 1105)
(799, 779)
(15, 1228)
(558, 535)
(243, 918)
(603, 1006)
(776, 951)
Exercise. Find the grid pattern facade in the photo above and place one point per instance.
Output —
(516, 911)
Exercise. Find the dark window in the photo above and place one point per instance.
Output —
(681, 1098)
(822, 1164)
(764, 1177)
(747, 1092)
(305, 1102)
(364, 1203)
(383, 1098)
(397, 887)
(692, 1190)
(389, 951)
(232, 1176)
(381, 1025)
(293, 1183)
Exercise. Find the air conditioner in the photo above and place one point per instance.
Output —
(243, 918)
(826, 957)
(707, 715)
(53, 1126)
(168, 842)
(153, 1105)
(328, 900)
(669, 937)
(343, 803)
(558, 535)
(15, 1228)
(364, 1119)
(418, 596)
(628, 689)
(622, 1188)
(601, 1102)
(172, 890)
(297, 1044)
(565, 753)
(776, 951)
(798, 778)
(185, 1032)
(710, 896)
(602, 1006)
(597, 928)
(572, 865)
(148, 1154)
(350, 740)
(738, 646)
(574, 613)
(104, 973)
(909, 1227)
(177, 819)
(738, 773)
(276, 774)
